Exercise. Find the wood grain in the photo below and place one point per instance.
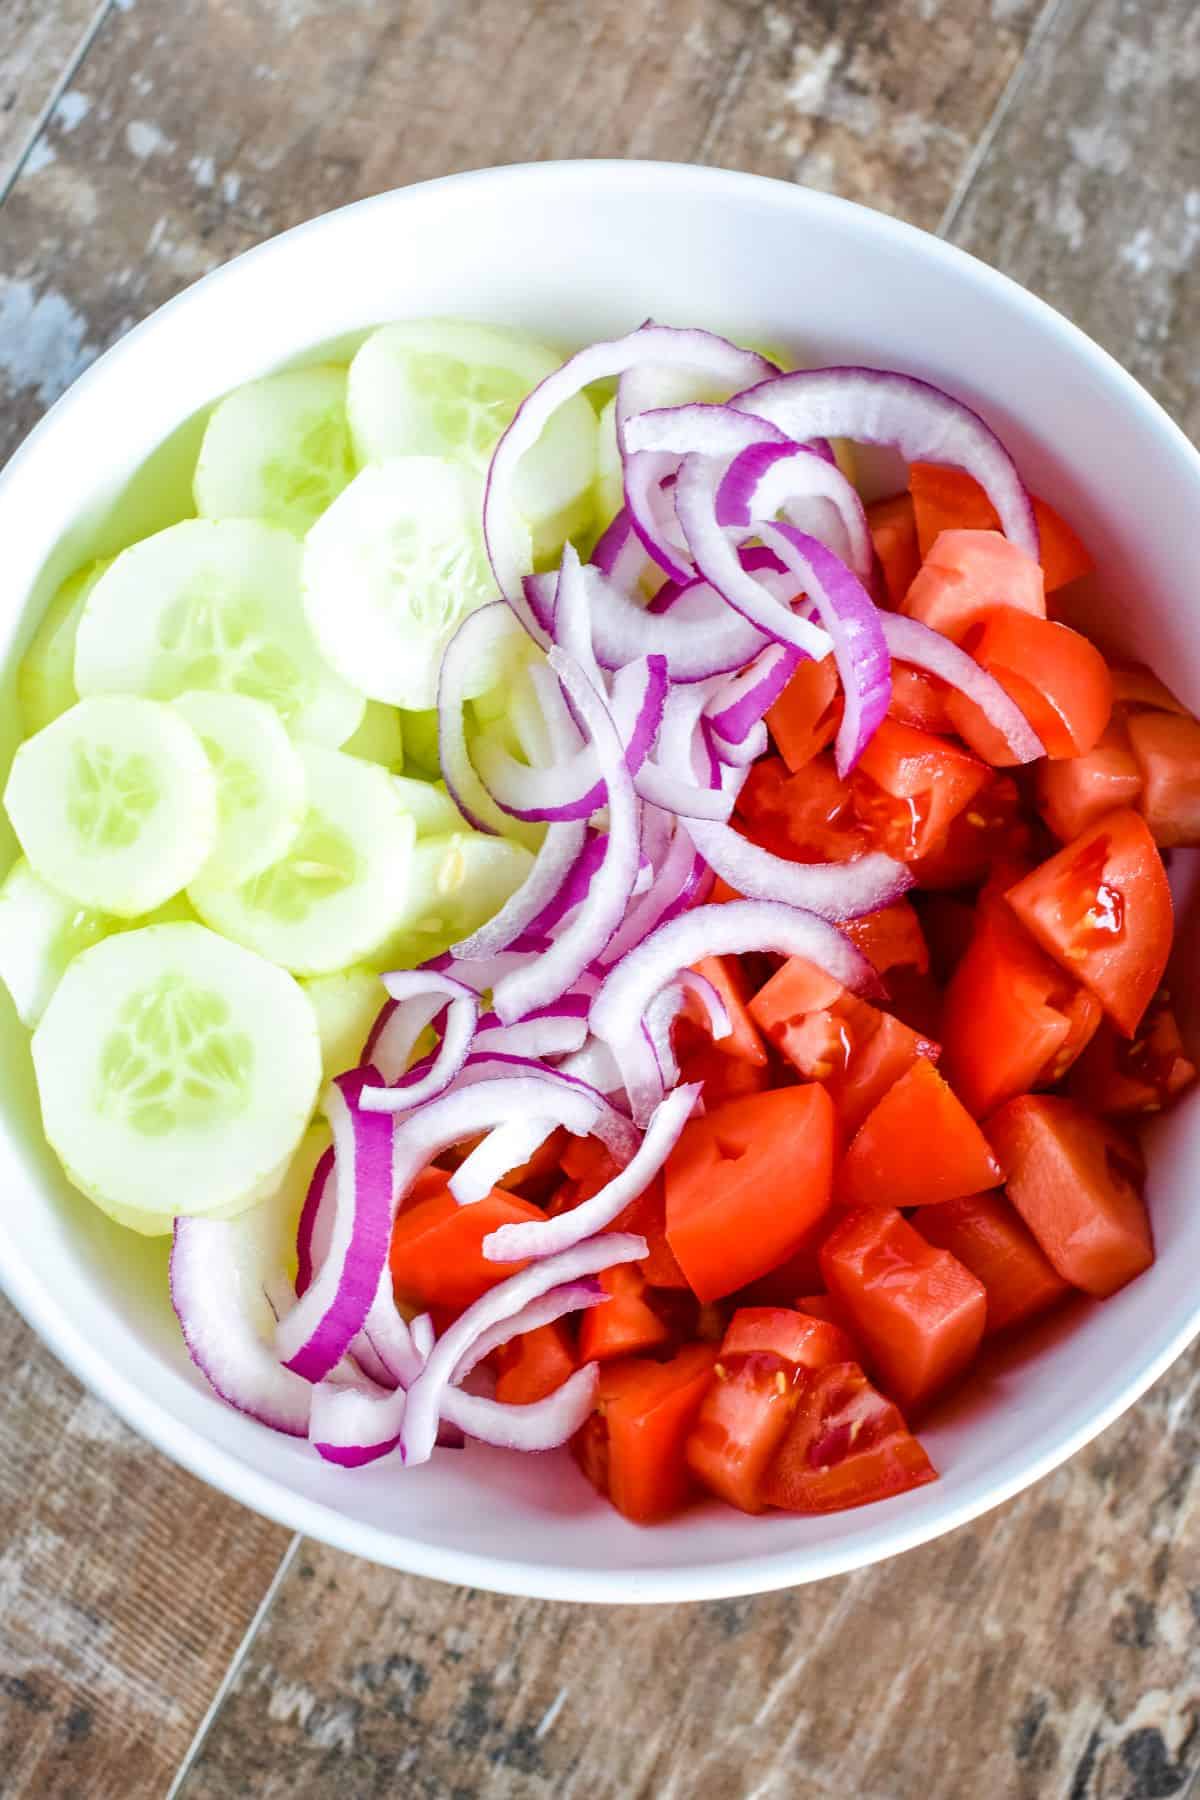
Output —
(39, 42)
(232, 120)
(125, 1588)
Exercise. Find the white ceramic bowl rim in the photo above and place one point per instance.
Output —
(895, 1526)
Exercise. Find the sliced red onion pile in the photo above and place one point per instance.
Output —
(741, 550)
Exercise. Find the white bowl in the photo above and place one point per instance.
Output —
(576, 251)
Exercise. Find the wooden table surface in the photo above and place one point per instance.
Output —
(154, 1637)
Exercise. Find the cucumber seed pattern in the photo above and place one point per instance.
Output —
(111, 795)
(299, 485)
(469, 404)
(322, 862)
(174, 1061)
(443, 574)
(212, 637)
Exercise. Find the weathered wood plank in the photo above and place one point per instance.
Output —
(125, 1588)
(208, 132)
(39, 42)
(1050, 1650)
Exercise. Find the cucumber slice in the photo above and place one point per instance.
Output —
(392, 570)
(115, 804)
(336, 896)
(346, 1006)
(609, 486)
(46, 677)
(261, 793)
(421, 755)
(40, 933)
(458, 882)
(277, 449)
(213, 604)
(443, 387)
(433, 811)
(380, 737)
(170, 1062)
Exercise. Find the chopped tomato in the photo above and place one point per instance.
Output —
(846, 1446)
(948, 925)
(824, 1306)
(745, 1183)
(778, 1287)
(749, 1404)
(1167, 751)
(724, 1077)
(989, 1237)
(919, 1312)
(945, 498)
(647, 1217)
(909, 785)
(436, 1250)
(1102, 908)
(1057, 677)
(1136, 685)
(1012, 1020)
(743, 1040)
(890, 938)
(623, 1324)
(920, 700)
(806, 715)
(807, 817)
(991, 827)
(1073, 793)
(1076, 1182)
(1120, 1077)
(633, 1447)
(531, 1366)
(797, 987)
(536, 1179)
(589, 1163)
(893, 527)
(966, 575)
(918, 1146)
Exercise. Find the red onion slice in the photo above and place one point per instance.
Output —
(502, 1150)
(574, 889)
(571, 1297)
(313, 1337)
(540, 1425)
(831, 890)
(537, 1237)
(477, 639)
(880, 406)
(852, 619)
(740, 704)
(544, 979)
(311, 1247)
(648, 481)
(554, 1035)
(911, 642)
(698, 428)
(610, 1126)
(532, 907)
(699, 637)
(651, 347)
(595, 1066)
(716, 554)
(503, 1302)
(621, 556)
(674, 889)
(619, 1009)
(418, 988)
(771, 478)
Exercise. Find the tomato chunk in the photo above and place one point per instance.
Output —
(807, 816)
(1012, 1020)
(1122, 1078)
(724, 1077)
(647, 1217)
(1059, 680)
(944, 498)
(746, 1183)
(909, 785)
(992, 828)
(920, 700)
(1102, 908)
(625, 1323)
(824, 1306)
(919, 1312)
(917, 1147)
(1076, 1182)
(846, 1446)
(531, 1366)
(436, 1252)
(1136, 685)
(749, 1405)
(806, 715)
(890, 938)
(743, 1040)
(988, 1236)
(633, 1447)
(893, 527)
(966, 575)
(1167, 751)
(1074, 793)
(797, 987)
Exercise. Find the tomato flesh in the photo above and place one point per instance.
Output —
(533, 1365)
(918, 1146)
(909, 785)
(846, 1446)
(742, 1040)
(1102, 908)
(968, 574)
(1076, 1182)
(807, 817)
(436, 1252)
(1123, 1077)
(893, 527)
(988, 1236)
(944, 498)
(1056, 676)
(918, 1311)
(1166, 749)
(633, 1447)
(1074, 793)
(805, 718)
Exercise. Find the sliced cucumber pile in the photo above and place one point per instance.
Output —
(334, 898)
(231, 776)
(172, 1062)
(277, 449)
(214, 604)
(115, 804)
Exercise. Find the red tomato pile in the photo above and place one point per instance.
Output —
(877, 1186)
